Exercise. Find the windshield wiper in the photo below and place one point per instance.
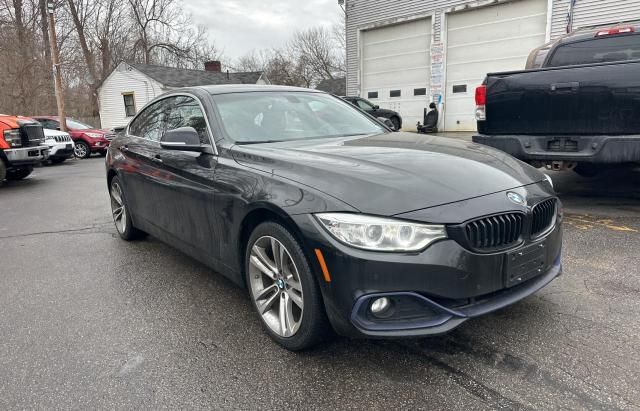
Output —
(242, 143)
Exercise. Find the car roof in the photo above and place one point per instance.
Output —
(247, 88)
(586, 33)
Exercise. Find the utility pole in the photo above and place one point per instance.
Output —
(55, 60)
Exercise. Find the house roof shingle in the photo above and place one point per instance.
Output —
(175, 77)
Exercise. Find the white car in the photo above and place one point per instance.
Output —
(60, 144)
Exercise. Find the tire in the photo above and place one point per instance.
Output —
(122, 220)
(18, 173)
(277, 294)
(396, 123)
(588, 170)
(57, 160)
(82, 150)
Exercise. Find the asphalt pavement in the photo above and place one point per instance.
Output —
(88, 321)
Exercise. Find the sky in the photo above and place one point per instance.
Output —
(239, 26)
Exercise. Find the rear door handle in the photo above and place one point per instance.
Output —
(157, 158)
(572, 86)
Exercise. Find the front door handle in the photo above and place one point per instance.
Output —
(157, 158)
(572, 86)
(124, 148)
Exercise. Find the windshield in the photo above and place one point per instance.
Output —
(76, 125)
(281, 116)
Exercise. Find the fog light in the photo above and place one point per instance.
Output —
(380, 306)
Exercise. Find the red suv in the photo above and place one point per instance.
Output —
(86, 138)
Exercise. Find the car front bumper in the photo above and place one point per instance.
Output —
(432, 292)
(61, 150)
(26, 155)
(589, 149)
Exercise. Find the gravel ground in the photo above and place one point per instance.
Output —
(90, 321)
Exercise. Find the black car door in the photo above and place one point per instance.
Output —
(186, 196)
(142, 176)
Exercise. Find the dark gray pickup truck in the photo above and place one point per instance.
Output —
(580, 110)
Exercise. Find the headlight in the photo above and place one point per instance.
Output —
(380, 234)
(93, 135)
(12, 137)
(549, 180)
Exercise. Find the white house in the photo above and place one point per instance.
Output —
(130, 86)
(403, 54)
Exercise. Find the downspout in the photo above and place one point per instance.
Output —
(572, 4)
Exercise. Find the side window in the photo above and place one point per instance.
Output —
(186, 112)
(151, 122)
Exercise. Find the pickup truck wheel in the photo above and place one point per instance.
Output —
(18, 174)
(3, 171)
(587, 170)
(120, 213)
(82, 150)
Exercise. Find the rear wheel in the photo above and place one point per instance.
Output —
(396, 122)
(283, 290)
(120, 213)
(18, 173)
(82, 150)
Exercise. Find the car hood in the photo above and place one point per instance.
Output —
(53, 133)
(391, 173)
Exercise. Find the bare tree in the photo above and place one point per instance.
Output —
(316, 49)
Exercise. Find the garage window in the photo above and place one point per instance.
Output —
(394, 93)
(461, 88)
(372, 94)
(419, 91)
(129, 104)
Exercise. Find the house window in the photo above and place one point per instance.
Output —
(372, 94)
(394, 93)
(129, 104)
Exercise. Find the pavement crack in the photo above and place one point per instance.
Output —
(70, 230)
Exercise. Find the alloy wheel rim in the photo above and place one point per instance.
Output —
(275, 286)
(117, 208)
(80, 150)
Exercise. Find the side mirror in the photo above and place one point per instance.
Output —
(387, 123)
(375, 107)
(183, 139)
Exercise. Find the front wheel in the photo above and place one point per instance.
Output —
(18, 173)
(57, 160)
(283, 289)
(82, 150)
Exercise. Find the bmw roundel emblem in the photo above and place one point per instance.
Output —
(515, 197)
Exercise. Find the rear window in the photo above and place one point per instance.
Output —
(598, 50)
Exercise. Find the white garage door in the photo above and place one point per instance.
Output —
(395, 68)
(489, 39)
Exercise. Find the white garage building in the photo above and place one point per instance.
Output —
(403, 54)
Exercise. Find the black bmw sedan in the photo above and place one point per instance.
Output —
(327, 218)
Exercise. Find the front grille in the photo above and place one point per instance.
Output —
(543, 215)
(61, 139)
(32, 134)
(495, 232)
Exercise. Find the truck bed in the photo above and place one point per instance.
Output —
(590, 100)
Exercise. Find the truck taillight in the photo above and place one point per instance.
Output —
(481, 101)
(617, 30)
